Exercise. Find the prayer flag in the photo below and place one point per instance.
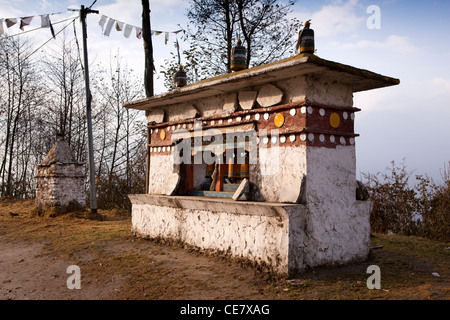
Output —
(166, 38)
(138, 32)
(119, 26)
(102, 21)
(109, 26)
(25, 21)
(10, 22)
(128, 29)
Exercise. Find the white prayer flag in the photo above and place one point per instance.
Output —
(166, 38)
(45, 21)
(128, 29)
(102, 21)
(138, 32)
(119, 26)
(109, 26)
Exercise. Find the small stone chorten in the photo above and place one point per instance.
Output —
(60, 179)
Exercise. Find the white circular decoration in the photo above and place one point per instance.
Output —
(248, 117)
(213, 122)
(238, 119)
(151, 131)
(159, 149)
(283, 139)
(220, 121)
(156, 130)
(164, 149)
(293, 112)
(265, 140)
(352, 141)
(352, 116)
(274, 139)
(345, 115)
(311, 137)
(303, 110)
(303, 137)
(168, 129)
(292, 137)
(322, 112)
(257, 117)
(266, 116)
(342, 140)
(310, 110)
(332, 139)
(230, 120)
(322, 138)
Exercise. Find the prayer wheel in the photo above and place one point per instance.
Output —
(238, 57)
(180, 79)
(307, 39)
(233, 169)
(244, 168)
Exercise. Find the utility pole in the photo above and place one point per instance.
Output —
(93, 192)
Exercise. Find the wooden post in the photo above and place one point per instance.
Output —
(148, 76)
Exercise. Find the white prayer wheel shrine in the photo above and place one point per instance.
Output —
(260, 164)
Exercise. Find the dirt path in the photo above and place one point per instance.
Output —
(35, 253)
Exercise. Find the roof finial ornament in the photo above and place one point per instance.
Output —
(305, 42)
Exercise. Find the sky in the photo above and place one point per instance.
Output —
(403, 39)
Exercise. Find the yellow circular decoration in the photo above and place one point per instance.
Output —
(335, 120)
(279, 120)
(162, 135)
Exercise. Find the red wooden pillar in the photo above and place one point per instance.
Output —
(220, 174)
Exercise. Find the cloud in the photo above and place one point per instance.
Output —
(337, 18)
(394, 43)
(441, 85)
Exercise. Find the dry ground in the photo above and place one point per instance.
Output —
(36, 251)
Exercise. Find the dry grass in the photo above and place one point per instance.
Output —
(105, 248)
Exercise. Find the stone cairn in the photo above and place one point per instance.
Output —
(60, 180)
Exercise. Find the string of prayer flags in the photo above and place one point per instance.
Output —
(107, 23)
(26, 21)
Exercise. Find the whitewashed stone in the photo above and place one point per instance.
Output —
(182, 112)
(269, 95)
(230, 103)
(155, 115)
(247, 99)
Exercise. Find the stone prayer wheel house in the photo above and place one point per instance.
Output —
(60, 179)
(260, 164)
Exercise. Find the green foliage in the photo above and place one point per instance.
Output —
(398, 207)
